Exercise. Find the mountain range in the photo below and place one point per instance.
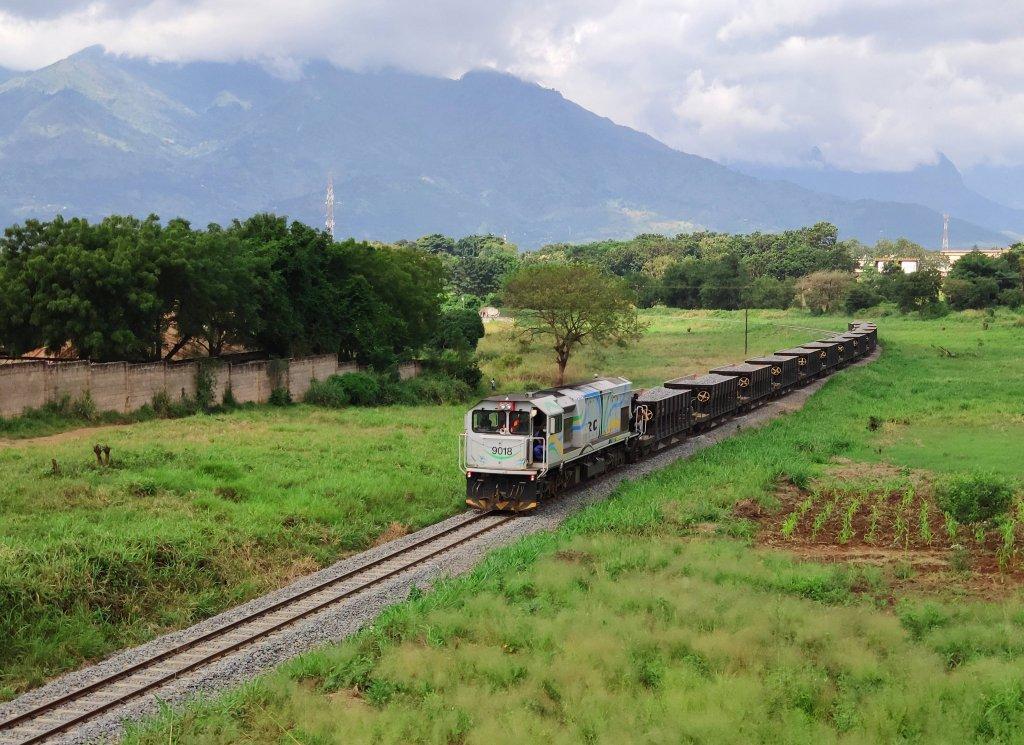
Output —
(939, 186)
(96, 134)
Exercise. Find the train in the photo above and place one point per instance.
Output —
(519, 449)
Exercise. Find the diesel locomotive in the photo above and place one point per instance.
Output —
(520, 449)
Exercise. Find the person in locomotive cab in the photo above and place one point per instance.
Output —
(538, 443)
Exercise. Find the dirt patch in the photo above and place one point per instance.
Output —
(879, 515)
(300, 568)
(393, 531)
(574, 556)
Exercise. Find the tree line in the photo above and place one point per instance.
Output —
(139, 290)
(808, 267)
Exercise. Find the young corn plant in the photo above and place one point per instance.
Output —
(822, 517)
(901, 526)
(790, 524)
(1007, 530)
(951, 526)
(846, 532)
(924, 528)
(877, 506)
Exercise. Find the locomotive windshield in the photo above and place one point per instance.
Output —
(488, 421)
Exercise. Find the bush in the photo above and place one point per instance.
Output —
(862, 296)
(974, 497)
(280, 397)
(436, 389)
(84, 408)
(371, 389)
(460, 365)
(459, 328)
(166, 408)
(1012, 298)
(934, 309)
(330, 393)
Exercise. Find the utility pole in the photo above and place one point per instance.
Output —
(745, 329)
(329, 204)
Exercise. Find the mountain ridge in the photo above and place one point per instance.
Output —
(939, 186)
(410, 155)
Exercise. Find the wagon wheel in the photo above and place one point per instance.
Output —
(703, 396)
(743, 382)
(776, 370)
(801, 361)
(645, 413)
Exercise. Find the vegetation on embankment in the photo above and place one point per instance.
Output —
(656, 615)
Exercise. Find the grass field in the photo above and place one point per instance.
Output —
(661, 616)
(197, 514)
(675, 342)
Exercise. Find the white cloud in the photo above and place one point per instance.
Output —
(873, 83)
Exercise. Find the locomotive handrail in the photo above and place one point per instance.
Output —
(544, 460)
(463, 448)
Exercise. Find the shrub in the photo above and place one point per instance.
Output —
(436, 389)
(84, 408)
(280, 397)
(330, 393)
(229, 401)
(862, 296)
(166, 408)
(974, 497)
(363, 388)
(357, 388)
(1012, 298)
(934, 309)
(460, 365)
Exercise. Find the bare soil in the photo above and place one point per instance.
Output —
(878, 515)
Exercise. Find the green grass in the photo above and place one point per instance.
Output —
(652, 617)
(676, 342)
(197, 514)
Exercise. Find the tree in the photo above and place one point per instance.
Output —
(769, 292)
(824, 292)
(862, 295)
(917, 289)
(571, 305)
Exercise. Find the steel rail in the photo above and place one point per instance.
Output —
(65, 699)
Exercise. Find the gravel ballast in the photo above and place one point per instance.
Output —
(350, 615)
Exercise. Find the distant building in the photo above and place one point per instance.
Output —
(946, 259)
(909, 266)
(953, 255)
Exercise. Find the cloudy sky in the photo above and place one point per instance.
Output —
(873, 84)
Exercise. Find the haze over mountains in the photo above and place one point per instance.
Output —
(97, 134)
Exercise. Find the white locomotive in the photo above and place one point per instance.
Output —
(521, 447)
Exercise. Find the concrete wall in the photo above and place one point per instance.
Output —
(123, 387)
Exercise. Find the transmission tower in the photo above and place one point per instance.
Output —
(945, 231)
(329, 204)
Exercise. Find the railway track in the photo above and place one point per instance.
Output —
(51, 719)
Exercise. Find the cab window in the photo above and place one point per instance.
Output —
(519, 423)
(487, 421)
(556, 424)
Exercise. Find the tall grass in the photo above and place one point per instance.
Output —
(623, 625)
